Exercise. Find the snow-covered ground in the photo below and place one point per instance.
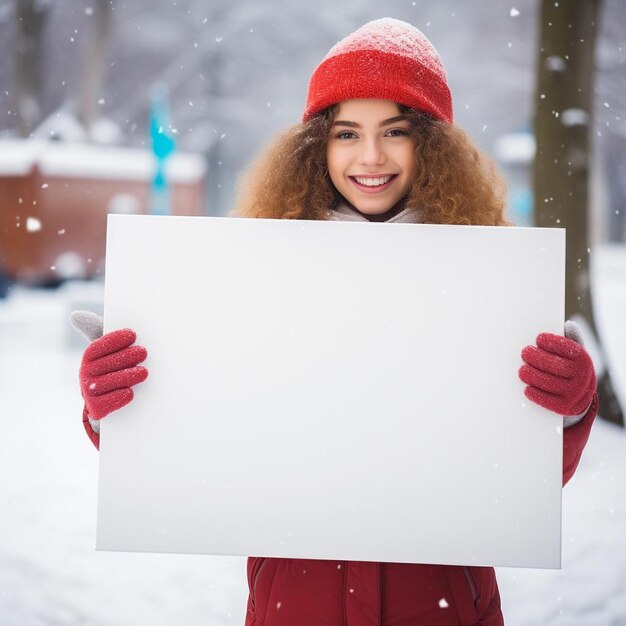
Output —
(50, 573)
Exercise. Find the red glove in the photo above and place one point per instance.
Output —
(559, 374)
(108, 370)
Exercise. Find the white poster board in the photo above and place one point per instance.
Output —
(333, 390)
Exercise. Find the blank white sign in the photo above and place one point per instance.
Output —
(333, 390)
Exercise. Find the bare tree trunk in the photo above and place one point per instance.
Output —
(93, 69)
(31, 17)
(563, 119)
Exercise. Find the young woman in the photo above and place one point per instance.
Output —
(376, 143)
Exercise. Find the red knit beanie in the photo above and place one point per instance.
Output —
(387, 59)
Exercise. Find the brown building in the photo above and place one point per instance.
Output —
(55, 196)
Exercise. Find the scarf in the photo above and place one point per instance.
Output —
(343, 213)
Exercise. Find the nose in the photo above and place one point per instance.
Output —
(372, 152)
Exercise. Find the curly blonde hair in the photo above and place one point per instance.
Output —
(455, 183)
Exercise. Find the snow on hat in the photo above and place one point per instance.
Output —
(387, 59)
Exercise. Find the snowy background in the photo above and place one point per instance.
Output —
(237, 72)
(51, 574)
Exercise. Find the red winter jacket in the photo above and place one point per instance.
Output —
(297, 592)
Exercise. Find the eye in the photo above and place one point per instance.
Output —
(398, 132)
(345, 134)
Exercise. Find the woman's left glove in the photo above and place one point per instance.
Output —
(559, 373)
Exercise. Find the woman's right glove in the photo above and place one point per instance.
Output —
(108, 370)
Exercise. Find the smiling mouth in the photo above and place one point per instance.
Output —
(373, 183)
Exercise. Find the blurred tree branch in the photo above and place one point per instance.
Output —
(31, 18)
(93, 68)
(563, 119)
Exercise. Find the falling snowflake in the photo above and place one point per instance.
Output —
(32, 224)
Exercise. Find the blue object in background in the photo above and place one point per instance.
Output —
(515, 152)
(521, 206)
(4, 285)
(162, 146)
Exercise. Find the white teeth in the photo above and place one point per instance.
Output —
(373, 182)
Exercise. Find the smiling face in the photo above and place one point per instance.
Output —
(370, 154)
